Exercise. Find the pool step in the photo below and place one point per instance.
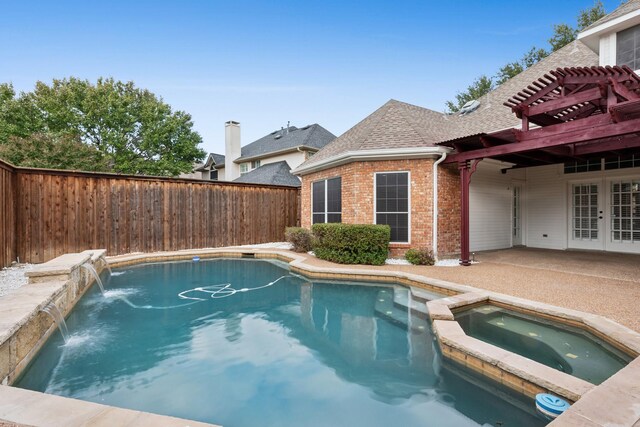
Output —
(393, 304)
(423, 295)
(401, 300)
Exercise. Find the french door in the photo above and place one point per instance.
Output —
(623, 227)
(605, 214)
(586, 225)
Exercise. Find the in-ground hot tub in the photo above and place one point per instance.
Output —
(242, 342)
(563, 347)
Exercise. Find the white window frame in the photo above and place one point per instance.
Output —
(255, 164)
(326, 196)
(244, 168)
(375, 203)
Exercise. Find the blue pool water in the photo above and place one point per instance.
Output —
(246, 343)
(562, 347)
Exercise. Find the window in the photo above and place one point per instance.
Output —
(392, 203)
(612, 162)
(326, 197)
(255, 164)
(628, 47)
(213, 175)
(583, 166)
(244, 168)
(622, 162)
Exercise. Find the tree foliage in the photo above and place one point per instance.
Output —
(133, 131)
(53, 151)
(563, 34)
(479, 87)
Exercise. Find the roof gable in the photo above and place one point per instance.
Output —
(394, 125)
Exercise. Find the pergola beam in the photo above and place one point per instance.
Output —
(555, 139)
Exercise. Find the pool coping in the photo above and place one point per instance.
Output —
(516, 372)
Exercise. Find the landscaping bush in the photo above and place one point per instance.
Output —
(352, 243)
(420, 256)
(300, 238)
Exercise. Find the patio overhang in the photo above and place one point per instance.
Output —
(568, 114)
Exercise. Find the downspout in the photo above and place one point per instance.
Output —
(434, 227)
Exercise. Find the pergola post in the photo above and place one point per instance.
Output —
(466, 171)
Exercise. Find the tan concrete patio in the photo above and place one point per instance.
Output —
(602, 283)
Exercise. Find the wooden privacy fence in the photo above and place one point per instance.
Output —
(47, 213)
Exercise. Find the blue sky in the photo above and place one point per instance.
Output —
(266, 63)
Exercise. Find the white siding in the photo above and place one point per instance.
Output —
(489, 208)
(546, 212)
(608, 49)
(294, 159)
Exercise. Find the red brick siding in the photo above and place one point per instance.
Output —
(358, 203)
(448, 211)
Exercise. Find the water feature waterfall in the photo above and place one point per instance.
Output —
(106, 264)
(52, 310)
(87, 266)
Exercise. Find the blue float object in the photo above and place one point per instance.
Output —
(551, 405)
(196, 258)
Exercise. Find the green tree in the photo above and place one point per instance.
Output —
(563, 34)
(514, 68)
(53, 152)
(591, 15)
(479, 87)
(133, 130)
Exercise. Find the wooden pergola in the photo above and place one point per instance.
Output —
(568, 114)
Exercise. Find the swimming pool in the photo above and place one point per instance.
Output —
(560, 346)
(245, 342)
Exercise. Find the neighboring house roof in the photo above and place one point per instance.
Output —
(623, 9)
(218, 159)
(312, 136)
(213, 159)
(278, 173)
(397, 125)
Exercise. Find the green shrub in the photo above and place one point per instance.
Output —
(420, 256)
(300, 238)
(352, 243)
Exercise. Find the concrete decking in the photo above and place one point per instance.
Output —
(607, 284)
(31, 408)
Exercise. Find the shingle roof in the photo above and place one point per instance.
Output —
(218, 159)
(214, 159)
(314, 136)
(623, 9)
(400, 125)
(278, 173)
(394, 125)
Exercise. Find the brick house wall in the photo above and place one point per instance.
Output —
(358, 200)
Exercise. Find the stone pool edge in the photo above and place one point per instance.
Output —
(516, 372)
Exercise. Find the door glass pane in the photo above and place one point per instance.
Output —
(585, 212)
(625, 212)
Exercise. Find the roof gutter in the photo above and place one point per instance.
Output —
(371, 155)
